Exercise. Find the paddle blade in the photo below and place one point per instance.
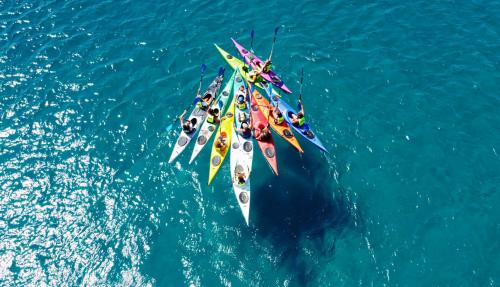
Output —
(252, 33)
(221, 71)
(169, 127)
(276, 30)
(203, 68)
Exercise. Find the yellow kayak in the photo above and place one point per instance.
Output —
(219, 154)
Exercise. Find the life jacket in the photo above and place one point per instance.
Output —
(302, 121)
(211, 119)
(202, 105)
(242, 106)
(279, 120)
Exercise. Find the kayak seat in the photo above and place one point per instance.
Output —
(229, 56)
(211, 128)
(238, 79)
(309, 134)
(255, 108)
(247, 147)
(224, 93)
(269, 152)
(287, 133)
(182, 141)
(216, 160)
(243, 197)
(258, 96)
(201, 140)
(238, 169)
(235, 145)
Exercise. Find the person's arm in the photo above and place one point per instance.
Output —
(181, 118)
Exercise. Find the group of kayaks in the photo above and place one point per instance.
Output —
(241, 121)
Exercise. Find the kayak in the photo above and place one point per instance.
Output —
(241, 152)
(260, 121)
(236, 63)
(282, 129)
(255, 61)
(207, 129)
(217, 156)
(304, 130)
(198, 114)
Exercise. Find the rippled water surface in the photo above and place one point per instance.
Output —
(405, 95)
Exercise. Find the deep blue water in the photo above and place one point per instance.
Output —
(404, 94)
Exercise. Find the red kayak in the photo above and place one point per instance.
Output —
(259, 122)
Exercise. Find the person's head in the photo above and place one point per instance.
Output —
(241, 88)
(186, 125)
(216, 111)
(241, 177)
(279, 114)
(241, 99)
(223, 135)
(300, 115)
(245, 126)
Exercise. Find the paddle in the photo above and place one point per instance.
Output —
(300, 93)
(274, 41)
(251, 41)
(202, 71)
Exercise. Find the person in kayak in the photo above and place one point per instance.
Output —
(262, 133)
(204, 103)
(277, 116)
(244, 130)
(221, 142)
(188, 125)
(299, 119)
(240, 177)
(241, 103)
(264, 67)
(213, 116)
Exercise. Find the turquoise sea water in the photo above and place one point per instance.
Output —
(404, 94)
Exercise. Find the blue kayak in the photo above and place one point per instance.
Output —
(304, 130)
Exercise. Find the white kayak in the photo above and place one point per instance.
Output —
(198, 114)
(207, 129)
(241, 152)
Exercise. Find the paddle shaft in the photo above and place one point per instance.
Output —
(274, 41)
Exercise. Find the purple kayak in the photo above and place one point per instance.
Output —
(253, 61)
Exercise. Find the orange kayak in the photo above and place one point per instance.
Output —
(282, 129)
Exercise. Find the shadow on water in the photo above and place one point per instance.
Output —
(304, 208)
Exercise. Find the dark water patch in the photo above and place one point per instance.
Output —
(301, 215)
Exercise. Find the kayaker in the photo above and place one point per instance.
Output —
(213, 116)
(240, 177)
(262, 133)
(204, 102)
(264, 67)
(299, 119)
(188, 125)
(244, 130)
(241, 103)
(277, 116)
(221, 142)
